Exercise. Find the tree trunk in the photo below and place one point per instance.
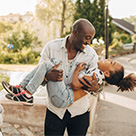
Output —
(63, 17)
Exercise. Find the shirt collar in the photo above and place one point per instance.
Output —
(85, 49)
(64, 44)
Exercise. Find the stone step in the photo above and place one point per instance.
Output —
(27, 115)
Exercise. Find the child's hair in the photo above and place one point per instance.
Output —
(124, 83)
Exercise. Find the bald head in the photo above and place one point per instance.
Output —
(82, 24)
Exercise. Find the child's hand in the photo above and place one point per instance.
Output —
(81, 66)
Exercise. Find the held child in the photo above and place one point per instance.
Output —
(112, 71)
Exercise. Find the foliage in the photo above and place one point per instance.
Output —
(95, 13)
(134, 38)
(112, 29)
(21, 37)
(5, 26)
(131, 19)
(125, 38)
(25, 56)
(98, 45)
(55, 14)
(82, 9)
(119, 39)
(3, 77)
(24, 40)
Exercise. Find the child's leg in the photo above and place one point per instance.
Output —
(34, 79)
(60, 95)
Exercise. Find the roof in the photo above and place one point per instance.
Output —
(126, 26)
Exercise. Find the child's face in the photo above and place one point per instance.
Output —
(109, 65)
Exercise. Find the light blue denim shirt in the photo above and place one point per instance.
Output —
(55, 50)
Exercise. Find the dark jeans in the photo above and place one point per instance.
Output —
(75, 126)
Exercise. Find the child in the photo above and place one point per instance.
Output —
(61, 97)
(66, 94)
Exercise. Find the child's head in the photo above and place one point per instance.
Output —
(114, 75)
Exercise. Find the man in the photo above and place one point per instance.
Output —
(70, 51)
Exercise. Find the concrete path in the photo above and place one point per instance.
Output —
(10, 129)
(116, 114)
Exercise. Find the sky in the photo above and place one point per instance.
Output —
(122, 8)
(17, 6)
(117, 8)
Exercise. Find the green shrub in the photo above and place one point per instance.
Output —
(3, 77)
(24, 56)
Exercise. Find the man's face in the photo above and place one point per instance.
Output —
(83, 38)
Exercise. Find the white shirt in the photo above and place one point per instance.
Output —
(56, 50)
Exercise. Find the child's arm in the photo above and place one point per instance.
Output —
(75, 85)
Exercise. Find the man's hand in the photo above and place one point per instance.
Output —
(55, 74)
(90, 85)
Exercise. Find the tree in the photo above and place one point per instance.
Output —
(131, 19)
(94, 12)
(101, 18)
(5, 26)
(82, 9)
(21, 37)
(55, 13)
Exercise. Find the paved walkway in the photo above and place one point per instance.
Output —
(116, 114)
(9, 129)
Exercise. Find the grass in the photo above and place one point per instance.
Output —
(5, 77)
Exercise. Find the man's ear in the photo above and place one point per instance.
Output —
(75, 31)
(107, 73)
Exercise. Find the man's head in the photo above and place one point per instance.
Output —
(82, 33)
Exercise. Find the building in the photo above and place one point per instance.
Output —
(123, 25)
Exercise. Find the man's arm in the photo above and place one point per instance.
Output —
(87, 84)
(90, 85)
(54, 74)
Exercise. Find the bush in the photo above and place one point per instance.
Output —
(21, 37)
(3, 77)
(24, 56)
